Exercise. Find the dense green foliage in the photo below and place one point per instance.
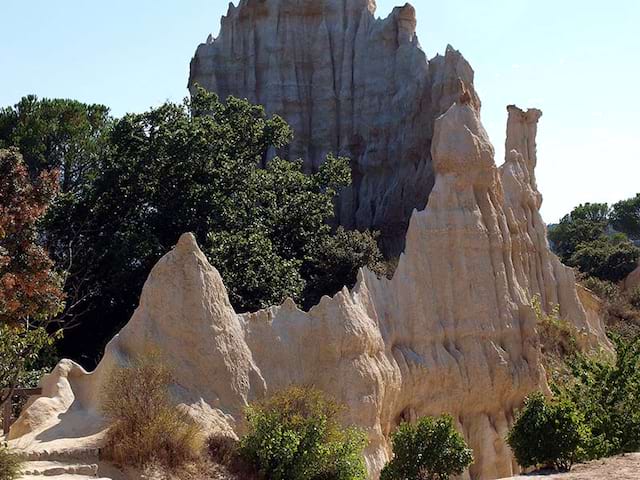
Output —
(606, 258)
(9, 464)
(595, 411)
(625, 216)
(548, 434)
(63, 135)
(296, 435)
(431, 449)
(584, 239)
(132, 186)
(607, 393)
(21, 349)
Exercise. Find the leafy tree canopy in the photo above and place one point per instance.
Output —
(548, 434)
(297, 435)
(584, 224)
(66, 135)
(432, 449)
(30, 290)
(29, 287)
(203, 166)
(586, 239)
(625, 217)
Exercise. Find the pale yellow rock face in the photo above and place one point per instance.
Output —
(452, 332)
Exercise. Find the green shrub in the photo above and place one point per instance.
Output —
(558, 337)
(548, 434)
(607, 291)
(9, 464)
(146, 428)
(296, 435)
(431, 449)
(606, 258)
(607, 393)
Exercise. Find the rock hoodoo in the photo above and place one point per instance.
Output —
(347, 83)
(453, 331)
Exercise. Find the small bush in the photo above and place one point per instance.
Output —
(558, 337)
(607, 291)
(296, 435)
(224, 452)
(9, 464)
(147, 429)
(223, 449)
(432, 449)
(548, 434)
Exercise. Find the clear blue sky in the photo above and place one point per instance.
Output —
(579, 61)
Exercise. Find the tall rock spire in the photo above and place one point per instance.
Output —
(349, 84)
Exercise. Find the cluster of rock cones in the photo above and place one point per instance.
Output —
(453, 331)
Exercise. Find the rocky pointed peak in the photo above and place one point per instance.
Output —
(461, 146)
(187, 243)
(406, 23)
(522, 130)
(452, 76)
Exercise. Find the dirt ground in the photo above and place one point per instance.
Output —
(624, 467)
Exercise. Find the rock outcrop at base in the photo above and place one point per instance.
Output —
(348, 84)
(453, 331)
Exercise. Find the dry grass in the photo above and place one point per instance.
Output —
(147, 429)
(621, 309)
(224, 452)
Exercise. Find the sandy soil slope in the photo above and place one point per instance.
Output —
(624, 467)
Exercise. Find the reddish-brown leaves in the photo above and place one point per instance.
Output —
(29, 287)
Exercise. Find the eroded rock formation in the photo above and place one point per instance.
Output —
(453, 331)
(349, 84)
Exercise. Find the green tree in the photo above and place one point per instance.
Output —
(296, 435)
(606, 258)
(21, 347)
(548, 434)
(583, 239)
(30, 290)
(606, 392)
(65, 135)
(625, 217)
(432, 449)
(29, 286)
(201, 167)
(584, 224)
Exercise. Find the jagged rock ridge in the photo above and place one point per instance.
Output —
(453, 331)
(349, 84)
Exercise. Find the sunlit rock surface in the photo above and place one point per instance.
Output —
(453, 331)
